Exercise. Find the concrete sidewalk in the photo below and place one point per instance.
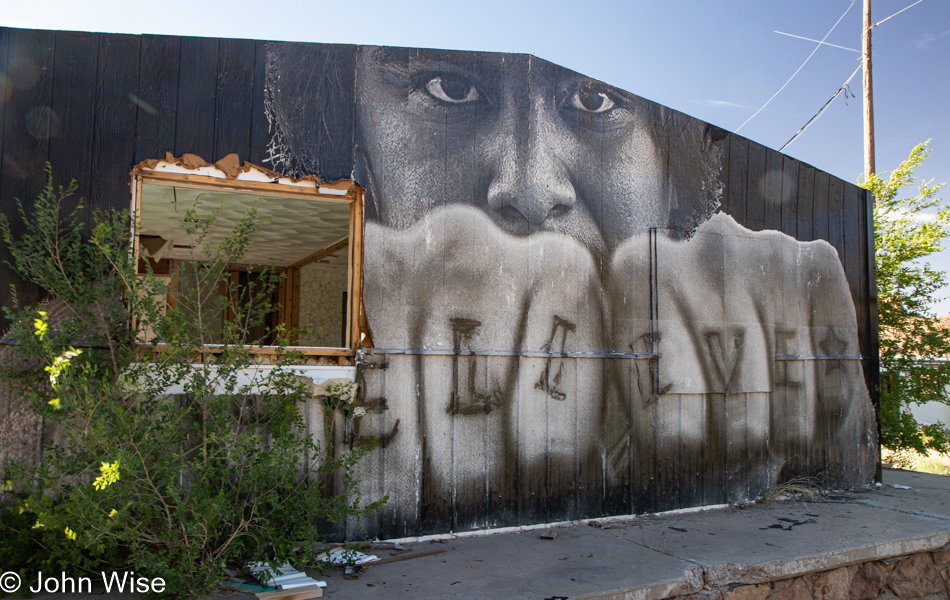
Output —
(647, 558)
(653, 557)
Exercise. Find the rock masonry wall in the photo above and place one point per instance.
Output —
(921, 576)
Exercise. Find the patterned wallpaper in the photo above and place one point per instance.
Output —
(321, 304)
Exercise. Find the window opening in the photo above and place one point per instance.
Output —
(311, 231)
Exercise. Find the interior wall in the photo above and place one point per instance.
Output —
(322, 289)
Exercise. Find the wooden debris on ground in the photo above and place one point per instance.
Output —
(301, 593)
(402, 557)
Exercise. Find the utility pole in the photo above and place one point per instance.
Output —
(868, 94)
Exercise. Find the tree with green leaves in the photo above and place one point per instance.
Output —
(913, 344)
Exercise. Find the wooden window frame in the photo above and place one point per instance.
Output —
(343, 191)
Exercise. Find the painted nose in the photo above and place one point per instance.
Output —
(531, 181)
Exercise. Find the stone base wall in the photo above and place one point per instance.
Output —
(921, 576)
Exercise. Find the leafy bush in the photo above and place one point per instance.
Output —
(172, 485)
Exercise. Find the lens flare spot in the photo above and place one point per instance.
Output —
(142, 104)
(42, 123)
(777, 187)
(23, 73)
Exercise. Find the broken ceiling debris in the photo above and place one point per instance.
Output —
(284, 577)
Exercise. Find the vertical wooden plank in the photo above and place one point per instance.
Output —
(757, 441)
(828, 383)
(820, 206)
(787, 428)
(27, 127)
(755, 187)
(726, 173)
(6, 90)
(475, 438)
(157, 97)
(644, 390)
(260, 136)
(502, 447)
(349, 325)
(337, 131)
(806, 195)
(669, 484)
(114, 141)
(872, 364)
(317, 80)
(234, 97)
(28, 122)
(590, 479)
(436, 508)
(570, 431)
(790, 192)
(356, 287)
(390, 385)
(836, 216)
(197, 78)
(738, 178)
(694, 442)
(855, 241)
(736, 481)
(72, 117)
(823, 433)
(715, 473)
(774, 170)
(614, 452)
(827, 203)
(853, 233)
(800, 418)
(470, 450)
(643, 437)
(856, 252)
(533, 424)
(867, 324)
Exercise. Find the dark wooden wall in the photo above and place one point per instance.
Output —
(769, 190)
(93, 105)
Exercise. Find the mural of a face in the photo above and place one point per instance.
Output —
(566, 328)
(535, 146)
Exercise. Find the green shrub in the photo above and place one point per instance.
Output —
(178, 485)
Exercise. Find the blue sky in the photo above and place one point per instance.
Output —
(717, 60)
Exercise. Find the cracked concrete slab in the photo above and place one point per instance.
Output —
(650, 557)
(653, 556)
(928, 496)
(516, 565)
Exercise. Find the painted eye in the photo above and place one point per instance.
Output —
(452, 89)
(591, 100)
